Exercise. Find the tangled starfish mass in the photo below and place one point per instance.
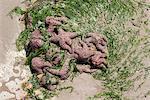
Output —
(89, 53)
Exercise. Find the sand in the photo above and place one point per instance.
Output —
(11, 75)
(8, 28)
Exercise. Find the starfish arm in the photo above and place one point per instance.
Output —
(100, 48)
(101, 55)
(68, 41)
(54, 39)
(84, 45)
(60, 18)
(54, 71)
(65, 46)
(88, 40)
(72, 34)
(47, 64)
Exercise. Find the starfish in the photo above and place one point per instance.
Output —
(81, 51)
(98, 40)
(64, 39)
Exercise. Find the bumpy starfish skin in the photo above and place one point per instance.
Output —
(98, 59)
(52, 21)
(36, 43)
(64, 39)
(50, 29)
(38, 64)
(62, 73)
(81, 51)
(99, 41)
(55, 20)
(36, 40)
(36, 34)
(57, 59)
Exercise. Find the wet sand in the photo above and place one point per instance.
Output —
(8, 28)
(10, 75)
